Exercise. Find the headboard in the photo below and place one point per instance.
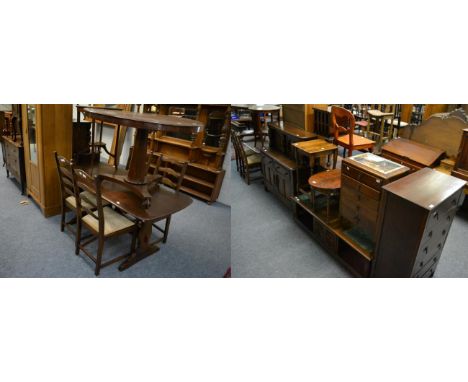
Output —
(441, 130)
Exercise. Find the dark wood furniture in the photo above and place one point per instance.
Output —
(11, 137)
(279, 168)
(460, 169)
(363, 177)
(14, 161)
(443, 131)
(103, 222)
(248, 162)
(172, 174)
(327, 183)
(144, 123)
(322, 122)
(205, 173)
(309, 153)
(412, 154)
(330, 234)
(416, 214)
(165, 202)
(343, 124)
(259, 111)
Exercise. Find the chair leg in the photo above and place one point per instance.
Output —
(166, 229)
(99, 256)
(78, 236)
(62, 220)
(134, 240)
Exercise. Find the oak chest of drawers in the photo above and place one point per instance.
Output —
(362, 179)
(417, 212)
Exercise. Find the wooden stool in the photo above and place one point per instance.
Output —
(327, 183)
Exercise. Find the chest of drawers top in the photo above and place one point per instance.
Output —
(372, 170)
(426, 188)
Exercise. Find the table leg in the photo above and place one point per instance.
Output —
(382, 128)
(335, 157)
(144, 249)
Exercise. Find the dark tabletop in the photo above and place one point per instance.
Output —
(148, 121)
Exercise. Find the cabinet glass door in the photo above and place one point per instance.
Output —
(32, 133)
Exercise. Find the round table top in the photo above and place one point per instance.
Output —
(264, 108)
(147, 121)
(326, 181)
(253, 107)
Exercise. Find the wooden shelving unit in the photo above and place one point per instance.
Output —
(204, 175)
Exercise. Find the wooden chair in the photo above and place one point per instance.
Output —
(172, 174)
(380, 122)
(69, 192)
(247, 163)
(343, 122)
(396, 121)
(102, 221)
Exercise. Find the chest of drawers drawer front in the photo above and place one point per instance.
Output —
(420, 268)
(351, 184)
(362, 177)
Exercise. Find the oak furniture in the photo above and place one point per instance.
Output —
(343, 124)
(322, 121)
(416, 214)
(412, 154)
(46, 129)
(259, 111)
(247, 161)
(279, 168)
(327, 183)
(144, 123)
(103, 222)
(172, 174)
(205, 173)
(362, 179)
(377, 125)
(68, 191)
(309, 153)
(11, 137)
(164, 202)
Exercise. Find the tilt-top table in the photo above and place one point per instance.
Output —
(144, 123)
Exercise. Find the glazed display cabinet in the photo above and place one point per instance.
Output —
(46, 128)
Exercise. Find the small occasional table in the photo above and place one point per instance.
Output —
(257, 111)
(327, 183)
(314, 150)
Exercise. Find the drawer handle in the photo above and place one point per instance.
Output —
(378, 181)
(444, 232)
(436, 215)
(439, 245)
(448, 218)
(434, 259)
(430, 234)
(421, 264)
(454, 201)
(425, 250)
